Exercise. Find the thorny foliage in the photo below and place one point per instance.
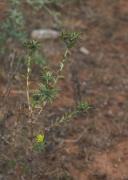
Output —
(48, 90)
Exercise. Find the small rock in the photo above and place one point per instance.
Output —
(115, 165)
(42, 34)
(84, 51)
(110, 113)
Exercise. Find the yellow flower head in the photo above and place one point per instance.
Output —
(40, 138)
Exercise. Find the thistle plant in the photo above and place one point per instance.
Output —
(14, 25)
(47, 89)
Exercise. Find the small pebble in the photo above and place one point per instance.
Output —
(84, 51)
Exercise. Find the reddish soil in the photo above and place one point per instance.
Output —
(93, 146)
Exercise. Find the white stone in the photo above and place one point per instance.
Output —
(84, 51)
(42, 34)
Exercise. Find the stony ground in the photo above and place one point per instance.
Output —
(93, 146)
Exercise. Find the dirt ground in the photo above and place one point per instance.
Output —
(93, 146)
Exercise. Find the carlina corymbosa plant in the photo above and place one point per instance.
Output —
(47, 90)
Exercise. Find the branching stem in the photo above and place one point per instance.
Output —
(29, 107)
(28, 83)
